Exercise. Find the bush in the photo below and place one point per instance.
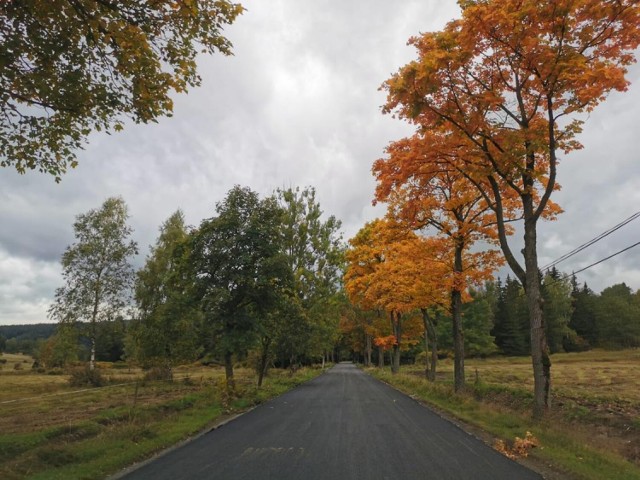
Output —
(85, 377)
(3, 361)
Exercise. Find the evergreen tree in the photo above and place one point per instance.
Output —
(478, 319)
(583, 317)
(511, 327)
(556, 293)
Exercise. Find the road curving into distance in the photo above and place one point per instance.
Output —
(342, 425)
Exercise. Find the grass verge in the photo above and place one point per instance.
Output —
(565, 450)
(127, 430)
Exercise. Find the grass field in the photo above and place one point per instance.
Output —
(50, 430)
(593, 430)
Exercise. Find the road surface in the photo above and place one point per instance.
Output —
(341, 425)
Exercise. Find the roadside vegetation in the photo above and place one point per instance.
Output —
(51, 430)
(592, 432)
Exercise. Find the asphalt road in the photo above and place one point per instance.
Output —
(341, 425)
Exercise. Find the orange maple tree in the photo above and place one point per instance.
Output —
(393, 270)
(424, 191)
(508, 81)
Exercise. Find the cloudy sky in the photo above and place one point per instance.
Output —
(297, 105)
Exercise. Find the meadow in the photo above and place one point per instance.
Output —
(591, 432)
(50, 430)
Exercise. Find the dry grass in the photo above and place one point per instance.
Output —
(598, 374)
(15, 363)
(49, 430)
(38, 401)
(595, 395)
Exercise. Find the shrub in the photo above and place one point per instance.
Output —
(85, 377)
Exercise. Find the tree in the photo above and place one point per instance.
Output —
(556, 293)
(3, 344)
(315, 254)
(478, 321)
(239, 270)
(618, 317)
(506, 83)
(511, 319)
(72, 67)
(583, 319)
(96, 270)
(166, 330)
(59, 349)
(392, 270)
(425, 192)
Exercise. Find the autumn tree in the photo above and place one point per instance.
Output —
(72, 67)
(239, 270)
(96, 270)
(425, 192)
(509, 81)
(391, 269)
(166, 330)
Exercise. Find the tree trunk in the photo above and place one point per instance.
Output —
(430, 334)
(396, 325)
(539, 348)
(368, 348)
(380, 357)
(456, 315)
(264, 357)
(228, 370)
(92, 360)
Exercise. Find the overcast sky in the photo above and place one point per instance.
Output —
(297, 105)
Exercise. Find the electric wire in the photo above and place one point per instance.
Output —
(591, 242)
(607, 258)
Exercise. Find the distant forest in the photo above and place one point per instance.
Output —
(495, 321)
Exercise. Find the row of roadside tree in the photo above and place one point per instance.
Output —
(259, 280)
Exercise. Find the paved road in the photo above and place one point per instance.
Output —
(342, 425)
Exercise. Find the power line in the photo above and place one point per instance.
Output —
(591, 242)
(607, 258)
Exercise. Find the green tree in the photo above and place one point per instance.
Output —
(71, 67)
(583, 317)
(315, 254)
(96, 270)
(166, 329)
(59, 349)
(556, 293)
(239, 270)
(511, 328)
(478, 319)
(618, 318)
(3, 344)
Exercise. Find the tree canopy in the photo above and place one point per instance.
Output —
(496, 95)
(68, 68)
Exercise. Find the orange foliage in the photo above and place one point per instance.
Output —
(520, 448)
(488, 90)
(390, 268)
